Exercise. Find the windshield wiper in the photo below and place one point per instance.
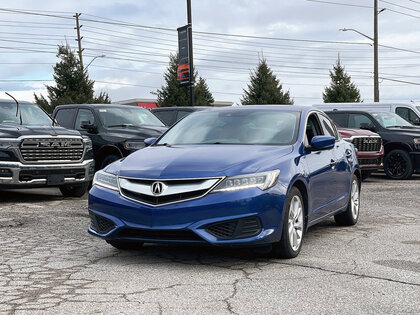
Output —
(400, 126)
(122, 125)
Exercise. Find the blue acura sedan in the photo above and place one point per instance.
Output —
(238, 176)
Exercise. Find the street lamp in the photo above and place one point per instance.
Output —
(100, 56)
(375, 60)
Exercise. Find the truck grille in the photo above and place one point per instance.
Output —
(368, 144)
(51, 149)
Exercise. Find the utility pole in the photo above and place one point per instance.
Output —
(190, 45)
(79, 39)
(375, 52)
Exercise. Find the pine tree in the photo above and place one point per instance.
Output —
(172, 94)
(341, 89)
(72, 84)
(265, 88)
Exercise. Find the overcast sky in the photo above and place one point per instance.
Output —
(136, 58)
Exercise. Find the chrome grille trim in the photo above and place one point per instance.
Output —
(51, 149)
(177, 188)
(367, 143)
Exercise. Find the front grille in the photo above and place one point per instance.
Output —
(100, 224)
(235, 229)
(364, 162)
(160, 235)
(171, 190)
(367, 144)
(155, 201)
(51, 149)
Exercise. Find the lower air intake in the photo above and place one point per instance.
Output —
(234, 229)
(100, 224)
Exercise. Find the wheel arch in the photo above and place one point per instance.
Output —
(107, 150)
(396, 146)
(301, 186)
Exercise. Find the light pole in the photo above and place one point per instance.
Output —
(100, 56)
(375, 61)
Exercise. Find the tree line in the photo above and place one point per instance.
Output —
(73, 86)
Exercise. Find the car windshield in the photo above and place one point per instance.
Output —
(31, 114)
(235, 127)
(389, 120)
(127, 117)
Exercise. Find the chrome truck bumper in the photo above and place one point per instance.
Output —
(16, 174)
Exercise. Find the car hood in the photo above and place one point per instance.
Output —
(414, 131)
(142, 132)
(347, 133)
(194, 161)
(15, 131)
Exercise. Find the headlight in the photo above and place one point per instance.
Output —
(5, 144)
(262, 181)
(134, 145)
(87, 142)
(106, 180)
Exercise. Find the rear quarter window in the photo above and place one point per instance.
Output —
(340, 119)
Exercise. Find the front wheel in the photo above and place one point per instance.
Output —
(293, 227)
(398, 165)
(74, 190)
(351, 215)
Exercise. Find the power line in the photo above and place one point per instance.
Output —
(343, 4)
(400, 6)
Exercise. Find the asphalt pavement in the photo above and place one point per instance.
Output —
(50, 265)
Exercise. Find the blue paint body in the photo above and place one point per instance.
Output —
(325, 174)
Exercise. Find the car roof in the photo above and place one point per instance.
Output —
(182, 107)
(356, 112)
(99, 105)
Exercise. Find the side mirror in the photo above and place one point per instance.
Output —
(88, 126)
(367, 126)
(149, 141)
(320, 143)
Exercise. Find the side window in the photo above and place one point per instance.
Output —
(340, 119)
(182, 114)
(403, 112)
(313, 128)
(329, 129)
(65, 117)
(166, 116)
(360, 121)
(84, 115)
(412, 116)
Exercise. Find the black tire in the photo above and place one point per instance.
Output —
(366, 175)
(398, 165)
(109, 159)
(351, 215)
(283, 248)
(74, 190)
(125, 245)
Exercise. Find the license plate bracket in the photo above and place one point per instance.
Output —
(55, 179)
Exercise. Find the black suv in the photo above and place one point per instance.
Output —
(115, 130)
(35, 152)
(170, 115)
(400, 138)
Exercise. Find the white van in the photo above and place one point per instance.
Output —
(409, 112)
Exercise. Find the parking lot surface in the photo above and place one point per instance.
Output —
(50, 265)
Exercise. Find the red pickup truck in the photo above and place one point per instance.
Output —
(369, 148)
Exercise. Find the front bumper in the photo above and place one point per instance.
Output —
(189, 221)
(17, 174)
(370, 161)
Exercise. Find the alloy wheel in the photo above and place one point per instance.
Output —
(295, 223)
(355, 195)
(396, 165)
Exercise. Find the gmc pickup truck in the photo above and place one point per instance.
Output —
(35, 152)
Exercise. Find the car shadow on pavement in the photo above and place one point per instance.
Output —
(31, 195)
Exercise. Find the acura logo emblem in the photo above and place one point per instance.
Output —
(158, 188)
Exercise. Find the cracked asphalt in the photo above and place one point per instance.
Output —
(50, 265)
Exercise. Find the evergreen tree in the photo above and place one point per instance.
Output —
(173, 95)
(265, 88)
(341, 89)
(72, 84)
